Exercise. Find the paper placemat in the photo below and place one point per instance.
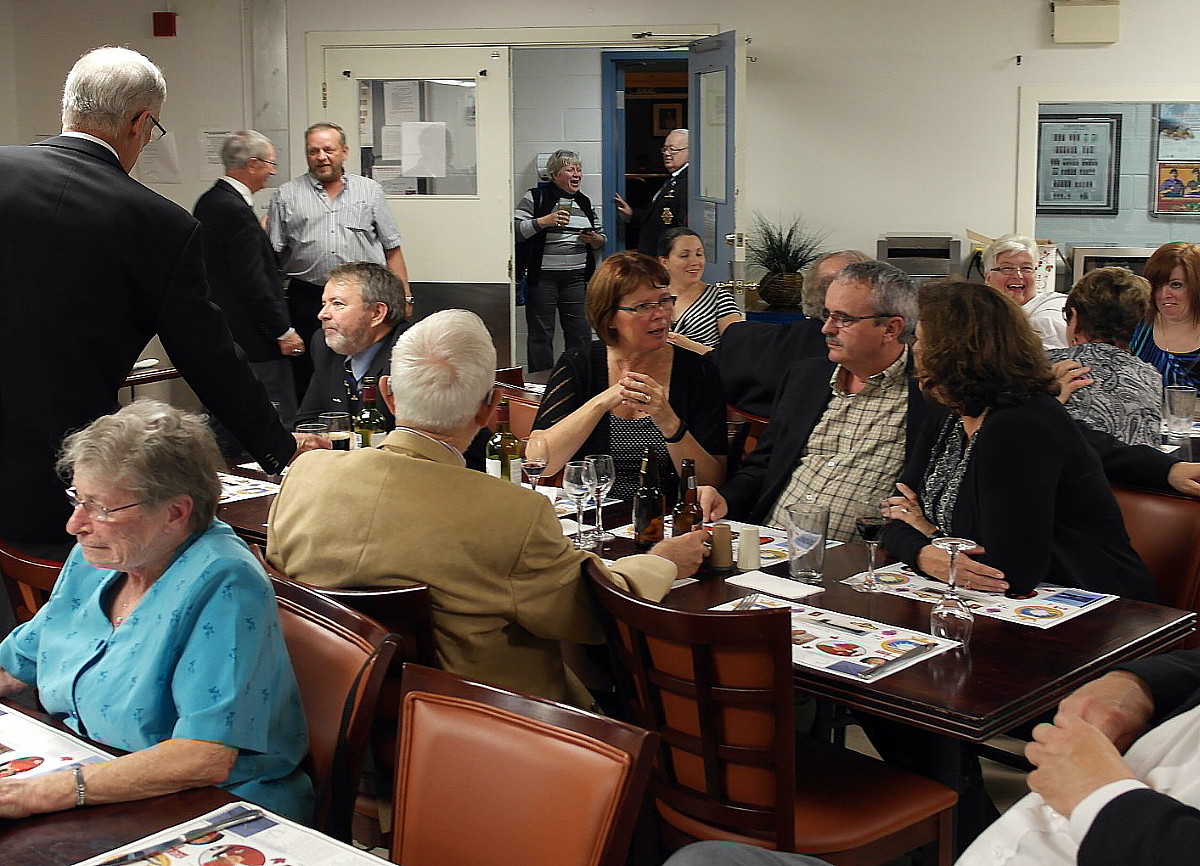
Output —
(235, 487)
(1047, 606)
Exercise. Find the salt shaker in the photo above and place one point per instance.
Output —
(749, 556)
(721, 558)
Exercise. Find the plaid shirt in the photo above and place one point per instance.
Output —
(855, 452)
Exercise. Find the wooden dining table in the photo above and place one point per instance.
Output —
(63, 838)
(1008, 673)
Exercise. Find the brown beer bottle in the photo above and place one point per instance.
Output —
(687, 514)
(649, 505)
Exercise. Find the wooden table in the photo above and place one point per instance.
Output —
(1008, 674)
(63, 838)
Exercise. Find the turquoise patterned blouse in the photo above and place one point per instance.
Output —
(201, 657)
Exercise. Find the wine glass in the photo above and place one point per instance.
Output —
(534, 457)
(605, 472)
(577, 484)
(869, 525)
(950, 617)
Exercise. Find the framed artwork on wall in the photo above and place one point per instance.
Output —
(1079, 158)
(668, 116)
(1175, 171)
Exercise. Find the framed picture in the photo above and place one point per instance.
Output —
(667, 116)
(1177, 188)
(1079, 158)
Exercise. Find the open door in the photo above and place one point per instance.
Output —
(434, 126)
(715, 175)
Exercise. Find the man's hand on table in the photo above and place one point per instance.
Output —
(309, 442)
(686, 551)
(1073, 758)
(711, 502)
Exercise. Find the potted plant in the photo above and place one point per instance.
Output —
(782, 253)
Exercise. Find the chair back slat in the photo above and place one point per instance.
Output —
(28, 580)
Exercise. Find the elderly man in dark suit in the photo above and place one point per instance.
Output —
(93, 264)
(243, 272)
(669, 206)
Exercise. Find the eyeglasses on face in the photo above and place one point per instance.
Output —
(95, 512)
(267, 161)
(1008, 271)
(159, 130)
(844, 320)
(644, 309)
(667, 151)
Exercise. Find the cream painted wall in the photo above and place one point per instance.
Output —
(8, 74)
(864, 115)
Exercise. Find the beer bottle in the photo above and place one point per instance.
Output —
(649, 505)
(687, 514)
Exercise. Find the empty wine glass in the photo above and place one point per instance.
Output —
(605, 473)
(950, 617)
(577, 484)
(869, 525)
(534, 456)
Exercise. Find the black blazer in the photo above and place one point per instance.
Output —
(802, 398)
(92, 265)
(668, 208)
(327, 389)
(243, 273)
(754, 356)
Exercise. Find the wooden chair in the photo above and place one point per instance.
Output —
(511, 375)
(341, 658)
(27, 580)
(489, 777)
(1165, 531)
(718, 687)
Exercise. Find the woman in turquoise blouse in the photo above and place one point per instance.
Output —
(161, 637)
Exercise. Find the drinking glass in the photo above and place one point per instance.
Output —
(605, 473)
(534, 456)
(807, 529)
(1179, 403)
(321, 431)
(577, 484)
(869, 523)
(950, 617)
(340, 429)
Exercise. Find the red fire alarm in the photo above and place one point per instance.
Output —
(164, 23)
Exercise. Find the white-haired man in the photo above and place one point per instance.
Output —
(1010, 265)
(669, 205)
(93, 264)
(505, 582)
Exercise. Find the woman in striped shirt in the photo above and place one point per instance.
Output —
(702, 312)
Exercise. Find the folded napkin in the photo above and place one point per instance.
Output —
(772, 585)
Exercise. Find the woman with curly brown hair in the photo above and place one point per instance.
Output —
(1006, 466)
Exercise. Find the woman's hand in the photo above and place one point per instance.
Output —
(906, 507)
(1071, 376)
(935, 562)
(554, 219)
(688, 343)
(592, 238)
(644, 393)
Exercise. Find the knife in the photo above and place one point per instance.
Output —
(891, 663)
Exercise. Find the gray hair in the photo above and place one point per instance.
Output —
(559, 159)
(107, 87)
(377, 285)
(241, 147)
(1010, 244)
(443, 369)
(155, 450)
(893, 292)
(682, 132)
(812, 291)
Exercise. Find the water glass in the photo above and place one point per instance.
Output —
(807, 529)
(1179, 402)
(577, 484)
(605, 473)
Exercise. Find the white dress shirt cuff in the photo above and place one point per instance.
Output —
(290, 332)
(1089, 807)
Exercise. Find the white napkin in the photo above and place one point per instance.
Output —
(772, 585)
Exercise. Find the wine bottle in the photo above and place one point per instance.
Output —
(687, 514)
(369, 424)
(504, 449)
(649, 505)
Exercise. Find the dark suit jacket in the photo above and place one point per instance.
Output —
(1146, 828)
(92, 265)
(243, 273)
(754, 356)
(327, 388)
(802, 398)
(668, 208)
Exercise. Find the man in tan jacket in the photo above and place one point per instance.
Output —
(505, 582)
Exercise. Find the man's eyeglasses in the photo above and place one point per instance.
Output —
(96, 512)
(159, 131)
(666, 304)
(1025, 271)
(267, 161)
(667, 151)
(843, 320)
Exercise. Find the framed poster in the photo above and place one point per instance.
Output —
(1175, 169)
(1177, 188)
(1079, 159)
(668, 116)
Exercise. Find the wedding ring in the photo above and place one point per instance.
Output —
(645, 398)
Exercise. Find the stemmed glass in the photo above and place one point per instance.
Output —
(950, 617)
(869, 526)
(534, 456)
(605, 473)
(577, 484)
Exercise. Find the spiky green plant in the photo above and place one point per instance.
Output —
(779, 250)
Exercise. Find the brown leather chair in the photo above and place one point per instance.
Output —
(718, 687)
(1165, 531)
(489, 777)
(341, 658)
(27, 580)
(511, 375)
